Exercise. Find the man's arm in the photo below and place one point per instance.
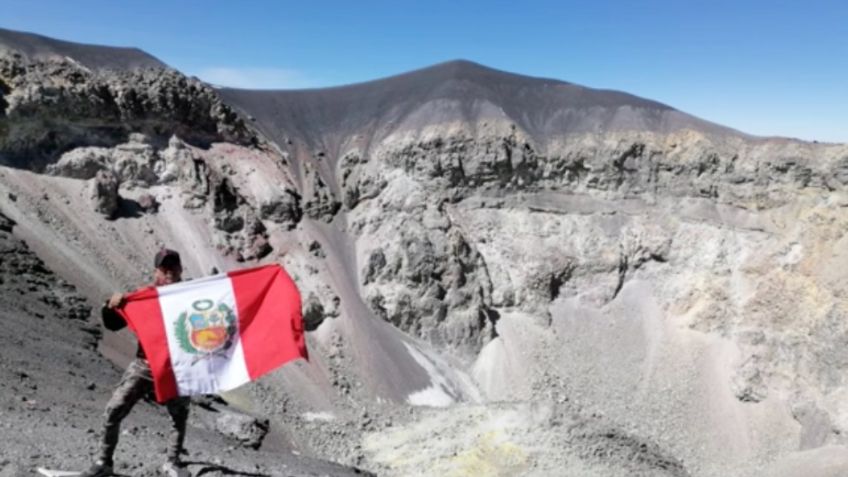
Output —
(111, 319)
(116, 300)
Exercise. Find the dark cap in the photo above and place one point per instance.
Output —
(166, 258)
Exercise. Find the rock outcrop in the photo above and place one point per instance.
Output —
(53, 105)
(104, 192)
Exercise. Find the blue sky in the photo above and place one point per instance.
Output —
(764, 67)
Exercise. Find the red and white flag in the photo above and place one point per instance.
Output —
(217, 333)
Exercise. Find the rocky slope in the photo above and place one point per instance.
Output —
(503, 275)
(54, 387)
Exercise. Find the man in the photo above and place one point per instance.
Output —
(137, 382)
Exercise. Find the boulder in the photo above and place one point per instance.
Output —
(148, 203)
(82, 163)
(104, 192)
(283, 209)
(247, 430)
(6, 224)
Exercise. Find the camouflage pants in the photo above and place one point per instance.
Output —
(136, 383)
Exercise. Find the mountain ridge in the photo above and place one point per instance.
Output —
(543, 107)
(465, 91)
(38, 46)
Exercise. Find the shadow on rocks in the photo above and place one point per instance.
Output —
(209, 467)
(128, 209)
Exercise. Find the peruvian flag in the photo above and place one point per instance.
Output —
(216, 333)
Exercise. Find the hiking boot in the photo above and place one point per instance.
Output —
(99, 469)
(175, 469)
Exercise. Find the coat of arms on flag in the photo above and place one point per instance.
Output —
(217, 333)
(206, 328)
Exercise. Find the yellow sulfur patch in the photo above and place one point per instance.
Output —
(490, 455)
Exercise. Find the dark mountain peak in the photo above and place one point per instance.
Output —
(472, 71)
(461, 64)
(433, 76)
(458, 90)
(95, 57)
(464, 69)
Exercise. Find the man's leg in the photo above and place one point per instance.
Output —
(135, 383)
(178, 409)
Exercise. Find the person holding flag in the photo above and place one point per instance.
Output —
(137, 382)
(198, 337)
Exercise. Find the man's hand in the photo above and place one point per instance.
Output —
(116, 301)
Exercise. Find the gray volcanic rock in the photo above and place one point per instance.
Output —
(283, 209)
(320, 201)
(53, 105)
(148, 203)
(81, 163)
(104, 191)
(247, 430)
(425, 269)
(430, 282)
(244, 235)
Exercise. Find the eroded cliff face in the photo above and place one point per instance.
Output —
(612, 262)
(650, 302)
(411, 200)
(53, 105)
